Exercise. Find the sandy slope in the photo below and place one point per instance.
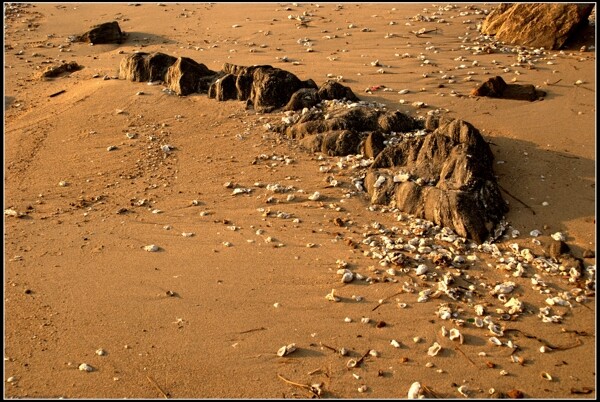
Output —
(199, 319)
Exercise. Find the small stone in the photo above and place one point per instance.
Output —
(85, 367)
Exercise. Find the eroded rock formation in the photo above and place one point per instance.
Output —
(108, 32)
(496, 87)
(548, 25)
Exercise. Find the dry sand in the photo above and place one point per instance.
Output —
(199, 319)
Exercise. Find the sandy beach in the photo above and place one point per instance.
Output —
(239, 275)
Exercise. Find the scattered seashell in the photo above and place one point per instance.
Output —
(414, 392)
(351, 363)
(332, 297)
(434, 349)
(463, 390)
(395, 343)
(455, 334)
(362, 388)
(546, 376)
(495, 341)
(315, 196)
(151, 248)
(100, 352)
(286, 350)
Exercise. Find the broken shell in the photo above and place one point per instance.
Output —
(546, 376)
(315, 196)
(395, 343)
(421, 269)
(417, 339)
(495, 341)
(414, 391)
(444, 331)
(151, 248)
(362, 388)
(286, 350)
(434, 349)
(100, 352)
(332, 297)
(495, 329)
(373, 353)
(544, 349)
(463, 390)
(479, 310)
(455, 334)
(351, 363)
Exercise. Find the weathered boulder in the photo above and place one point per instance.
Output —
(358, 119)
(186, 76)
(548, 25)
(373, 144)
(447, 178)
(145, 66)
(334, 90)
(303, 98)
(223, 88)
(55, 71)
(108, 32)
(496, 87)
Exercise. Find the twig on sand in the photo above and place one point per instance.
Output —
(430, 391)
(465, 355)
(164, 394)
(512, 196)
(384, 300)
(252, 330)
(315, 390)
(423, 31)
(62, 91)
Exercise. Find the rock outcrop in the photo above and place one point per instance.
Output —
(496, 87)
(440, 170)
(56, 71)
(108, 32)
(548, 25)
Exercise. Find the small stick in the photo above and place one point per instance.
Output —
(430, 391)
(307, 387)
(158, 387)
(465, 355)
(252, 330)
(57, 93)
(328, 347)
(527, 206)
(359, 361)
(386, 299)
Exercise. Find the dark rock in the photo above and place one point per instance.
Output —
(55, 71)
(334, 90)
(303, 98)
(589, 253)
(108, 32)
(456, 186)
(224, 88)
(537, 25)
(186, 76)
(272, 88)
(373, 144)
(397, 122)
(557, 248)
(515, 394)
(340, 143)
(143, 67)
(357, 119)
(496, 87)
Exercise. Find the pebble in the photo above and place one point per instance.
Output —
(85, 367)
(151, 248)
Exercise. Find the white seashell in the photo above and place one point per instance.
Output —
(379, 182)
(151, 248)
(100, 352)
(503, 372)
(315, 196)
(362, 388)
(414, 391)
(479, 309)
(544, 349)
(444, 331)
(365, 320)
(503, 288)
(478, 322)
(535, 233)
(85, 367)
(434, 349)
(495, 329)
(347, 319)
(417, 339)
(463, 390)
(455, 334)
(546, 376)
(515, 305)
(558, 236)
(495, 341)
(351, 363)
(373, 353)
(347, 277)
(421, 269)
(286, 350)
(332, 297)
